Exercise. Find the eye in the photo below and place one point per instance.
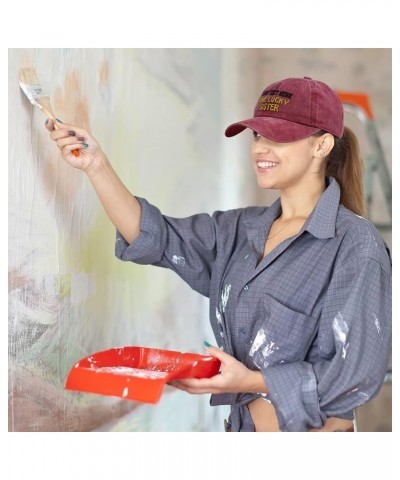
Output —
(256, 134)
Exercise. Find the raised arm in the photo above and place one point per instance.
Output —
(121, 206)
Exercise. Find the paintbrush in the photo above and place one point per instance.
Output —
(30, 85)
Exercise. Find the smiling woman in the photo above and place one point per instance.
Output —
(295, 288)
(291, 167)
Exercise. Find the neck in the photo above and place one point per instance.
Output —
(299, 201)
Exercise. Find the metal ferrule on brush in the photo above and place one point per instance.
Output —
(33, 92)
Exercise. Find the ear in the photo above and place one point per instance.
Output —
(323, 145)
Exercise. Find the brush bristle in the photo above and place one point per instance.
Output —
(29, 83)
(28, 76)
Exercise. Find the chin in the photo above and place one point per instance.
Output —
(267, 184)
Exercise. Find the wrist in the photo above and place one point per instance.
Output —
(256, 382)
(97, 164)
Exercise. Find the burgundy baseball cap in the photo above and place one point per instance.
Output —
(293, 109)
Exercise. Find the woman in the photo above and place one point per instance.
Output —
(300, 292)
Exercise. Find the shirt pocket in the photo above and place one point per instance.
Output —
(281, 336)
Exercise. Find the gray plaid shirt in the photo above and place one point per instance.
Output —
(314, 315)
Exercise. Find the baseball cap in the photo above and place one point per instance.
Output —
(293, 109)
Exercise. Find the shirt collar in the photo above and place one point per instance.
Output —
(322, 221)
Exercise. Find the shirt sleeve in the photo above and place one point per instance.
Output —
(184, 245)
(353, 343)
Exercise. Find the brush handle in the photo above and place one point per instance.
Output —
(45, 108)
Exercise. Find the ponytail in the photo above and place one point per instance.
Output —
(345, 164)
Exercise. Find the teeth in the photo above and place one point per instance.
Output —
(266, 164)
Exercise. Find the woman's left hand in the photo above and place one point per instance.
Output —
(234, 377)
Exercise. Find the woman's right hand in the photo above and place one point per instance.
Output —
(69, 138)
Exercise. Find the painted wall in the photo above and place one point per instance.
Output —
(160, 116)
(152, 110)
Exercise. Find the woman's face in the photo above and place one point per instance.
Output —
(283, 165)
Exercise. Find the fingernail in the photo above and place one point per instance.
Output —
(58, 120)
(71, 132)
(85, 145)
(207, 344)
(47, 121)
(81, 139)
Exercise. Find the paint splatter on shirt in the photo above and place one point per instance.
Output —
(305, 315)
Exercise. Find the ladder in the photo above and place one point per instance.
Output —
(359, 105)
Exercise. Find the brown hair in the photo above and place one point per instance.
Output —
(345, 164)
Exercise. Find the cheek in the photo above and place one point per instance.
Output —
(299, 161)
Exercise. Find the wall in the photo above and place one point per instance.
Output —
(160, 115)
(69, 296)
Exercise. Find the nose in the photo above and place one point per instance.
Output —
(261, 144)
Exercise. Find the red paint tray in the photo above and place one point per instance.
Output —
(137, 373)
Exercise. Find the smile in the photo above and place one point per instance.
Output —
(266, 164)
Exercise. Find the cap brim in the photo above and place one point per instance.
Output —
(275, 129)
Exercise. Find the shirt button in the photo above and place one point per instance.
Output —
(246, 287)
(242, 331)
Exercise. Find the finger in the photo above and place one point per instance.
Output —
(198, 383)
(57, 134)
(187, 382)
(59, 129)
(49, 124)
(217, 353)
(74, 146)
(69, 140)
(194, 388)
(56, 124)
(180, 385)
